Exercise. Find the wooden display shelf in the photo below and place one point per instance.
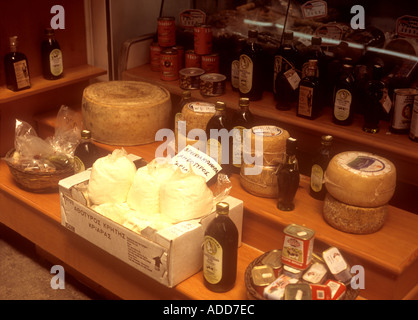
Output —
(398, 148)
(39, 84)
(389, 256)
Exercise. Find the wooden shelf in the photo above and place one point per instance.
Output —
(40, 85)
(398, 148)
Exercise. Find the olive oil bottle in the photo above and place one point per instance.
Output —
(86, 153)
(52, 65)
(16, 68)
(320, 163)
(220, 251)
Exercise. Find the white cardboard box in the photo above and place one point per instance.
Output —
(168, 256)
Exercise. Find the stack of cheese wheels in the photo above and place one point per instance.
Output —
(359, 185)
(266, 152)
(125, 112)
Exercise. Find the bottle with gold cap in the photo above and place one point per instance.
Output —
(220, 251)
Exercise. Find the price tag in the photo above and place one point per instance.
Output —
(201, 163)
(407, 26)
(293, 78)
(314, 9)
(386, 102)
(204, 107)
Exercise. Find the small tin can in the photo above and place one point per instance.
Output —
(292, 272)
(155, 55)
(297, 291)
(275, 290)
(262, 276)
(202, 36)
(320, 292)
(403, 103)
(274, 260)
(169, 65)
(210, 63)
(297, 246)
(315, 274)
(166, 31)
(337, 289)
(190, 78)
(180, 51)
(192, 59)
(413, 132)
(337, 264)
(212, 84)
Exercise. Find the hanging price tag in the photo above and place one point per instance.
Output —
(293, 78)
(314, 9)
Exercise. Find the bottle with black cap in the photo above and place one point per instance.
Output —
(317, 187)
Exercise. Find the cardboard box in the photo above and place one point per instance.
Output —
(168, 256)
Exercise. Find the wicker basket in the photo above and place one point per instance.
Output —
(252, 293)
(39, 182)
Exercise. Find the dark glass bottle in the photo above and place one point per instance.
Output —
(317, 187)
(220, 251)
(309, 104)
(250, 76)
(186, 97)
(52, 65)
(86, 153)
(285, 65)
(372, 105)
(288, 177)
(218, 142)
(343, 97)
(243, 119)
(16, 68)
(314, 52)
(235, 67)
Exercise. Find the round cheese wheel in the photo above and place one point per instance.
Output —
(197, 115)
(353, 219)
(360, 179)
(262, 184)
(125, 112)
(273, 142)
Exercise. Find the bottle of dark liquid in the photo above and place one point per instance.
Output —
(250, 76)
(286, 80)
(218, 142)
(220, 251)
(235, 67)
(16, 68)
(309, 104)
(314, 52)
(320, 163)
(243, 119)
(86, 153)
(52, 65)
(372, 105)
(288, 177)
(343, 97)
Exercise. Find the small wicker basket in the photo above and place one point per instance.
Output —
(39, 182)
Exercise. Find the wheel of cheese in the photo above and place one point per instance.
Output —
(125, 112)
(353, 219)
(360, 179)
(197, 115)
(263, 184)
(273, 141)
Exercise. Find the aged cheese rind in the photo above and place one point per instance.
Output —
(361, 179)
(273, 140)
(125, 112)
(197, 120)
(261, 185)
(353, 219)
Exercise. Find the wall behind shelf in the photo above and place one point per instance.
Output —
(27, 19)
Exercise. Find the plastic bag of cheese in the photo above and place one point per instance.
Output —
(111, 178)
(185, 196)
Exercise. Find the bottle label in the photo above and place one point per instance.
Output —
(55, 62)
(22, 74)
(245, 73)
(237, 146)
(212, 260)
(78, 165)
(214, 150)
(235, 74)
(305, 101)
(342, 104)
(281, 65)
(317, 178)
